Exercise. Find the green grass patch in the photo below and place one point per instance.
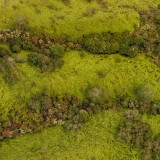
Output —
(81, 70)
(77, 18)
(96, 140)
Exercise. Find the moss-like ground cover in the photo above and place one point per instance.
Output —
(118, 75)
(96, 140)
(80, 70)
(75, 19)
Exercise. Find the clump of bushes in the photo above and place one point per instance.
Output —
(96, 94)
(45, 63)
(139, 134)
(4, 52)
(15, 45)
(9, 70)
(21, 23)
(144, 93)
(109, 43)
(57, 50)
(34, 59)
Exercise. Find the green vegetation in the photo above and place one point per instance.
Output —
(56, 69)
(139, 134)
(95, 140)
(72, 19)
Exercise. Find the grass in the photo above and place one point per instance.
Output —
(118, 75)
(76, 19)
(81, 70)
(96, 140)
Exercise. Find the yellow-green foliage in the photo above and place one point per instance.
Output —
(96, 140)
(81, 70)
(154, 122)
(118, 75)
(78, 18)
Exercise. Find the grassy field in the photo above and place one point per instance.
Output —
(96, 140)
(75, 19)
(81, 69)
(118, 75)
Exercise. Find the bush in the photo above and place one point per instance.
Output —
(20, 23)
(131, 51)
(34, 60)
(45, 63)
(157, 17)
(15, 45)
(109, 43)
(95, 44)
(137, 133)
(96, 94)
(144, 93)
(4, 52)
(15, 49)
(10, 72)
(57, 50)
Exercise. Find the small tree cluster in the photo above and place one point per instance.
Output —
(109, 43)
(137, 133)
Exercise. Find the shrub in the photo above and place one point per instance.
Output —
(109, 43)
(15, 45)
(101, 73)
(15, 49)
(4, 52)
(57, 50)
(10, 72)
(34, 60)
(45, 63)
(90, 12)
(137, 133)
(131, 51)
(157, 17)
(96, 94)
(84, 115)
(144, 93)
(20, 23)
(95, 43)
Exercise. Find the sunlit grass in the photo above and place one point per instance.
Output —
(96, 140)
(81, 70)
(57, 19)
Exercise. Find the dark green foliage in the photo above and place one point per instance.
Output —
(34, 60)
(96, 94)
(4, 52)
(15, 45)
(157, 17)
(133, 131)
(15, 49)
(57, 50)
(109, 43)
(157, 48)
(144, 93)
(44, 62)
(137, 133)
(20, 23)
(9, 70)
(101, 74)
(131, 51)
